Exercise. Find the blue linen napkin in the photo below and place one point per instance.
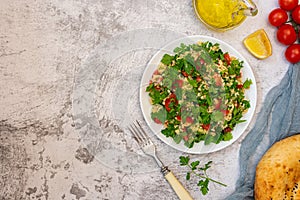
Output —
(278, 118)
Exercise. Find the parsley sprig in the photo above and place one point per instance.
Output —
(199, 172)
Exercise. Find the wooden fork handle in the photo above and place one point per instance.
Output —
(181, 192)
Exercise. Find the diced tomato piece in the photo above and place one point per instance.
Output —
(202, 61)
(157, 87)
(225, 112)
(218, 104)
(167, 104)
(239, 76)
(227, 129)
(178, 117)
(239, 86)
(189, 120)
(206, 126)
(184, 74)
(218, 79)
(185, 138)
(177, 83)
(169, 100)
(156, 120)
(180, 83)
(156, 72)
(227, 58)
(198, 78)
(172, 96)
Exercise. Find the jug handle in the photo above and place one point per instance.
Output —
(249, 10)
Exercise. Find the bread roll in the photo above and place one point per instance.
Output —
(278, 172)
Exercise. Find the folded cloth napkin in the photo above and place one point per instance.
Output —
(278, 118)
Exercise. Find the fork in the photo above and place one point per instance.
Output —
(149, 149)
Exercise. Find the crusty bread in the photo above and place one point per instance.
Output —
(278, 172)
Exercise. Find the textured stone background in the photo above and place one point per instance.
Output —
(42, 43)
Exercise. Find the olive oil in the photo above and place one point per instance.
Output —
(220, 13)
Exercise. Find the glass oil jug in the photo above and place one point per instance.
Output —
(222, 15)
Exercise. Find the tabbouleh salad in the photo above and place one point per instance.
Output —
(198, 94)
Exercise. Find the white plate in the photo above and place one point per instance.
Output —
(198, 148)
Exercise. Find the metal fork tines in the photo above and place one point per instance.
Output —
(149, 149)
(145, 143)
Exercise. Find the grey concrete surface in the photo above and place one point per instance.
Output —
(43, 44)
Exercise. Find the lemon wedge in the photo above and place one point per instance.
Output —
(258, 44)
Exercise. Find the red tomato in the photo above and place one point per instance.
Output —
(156, 72)
(218, 104)
(156, 120)
(288, 4)
(225, 112)
(218, 79)
(296, 14)
(185, 138)
(167, 104)
(206, 126)
(239, 86)
(178, 83)
(184, 74)
(169, 100)
(173, 96)
(189, 120)
(277, 17)
(227, 130)
(292, 53)
(178, 117)
(286, 34)
(227, 58)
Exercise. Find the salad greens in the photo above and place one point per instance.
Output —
(198, 94)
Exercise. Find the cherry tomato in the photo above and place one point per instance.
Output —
(296, 14)
(277, 17)
(286, 34)
(292, 53)
(288, 4)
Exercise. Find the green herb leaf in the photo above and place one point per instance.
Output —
(184, 160)
(247, 83)
(188, 176)
(167, 59)
(195, 164)
(204, 186)
(227, 136)
(217, 116)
